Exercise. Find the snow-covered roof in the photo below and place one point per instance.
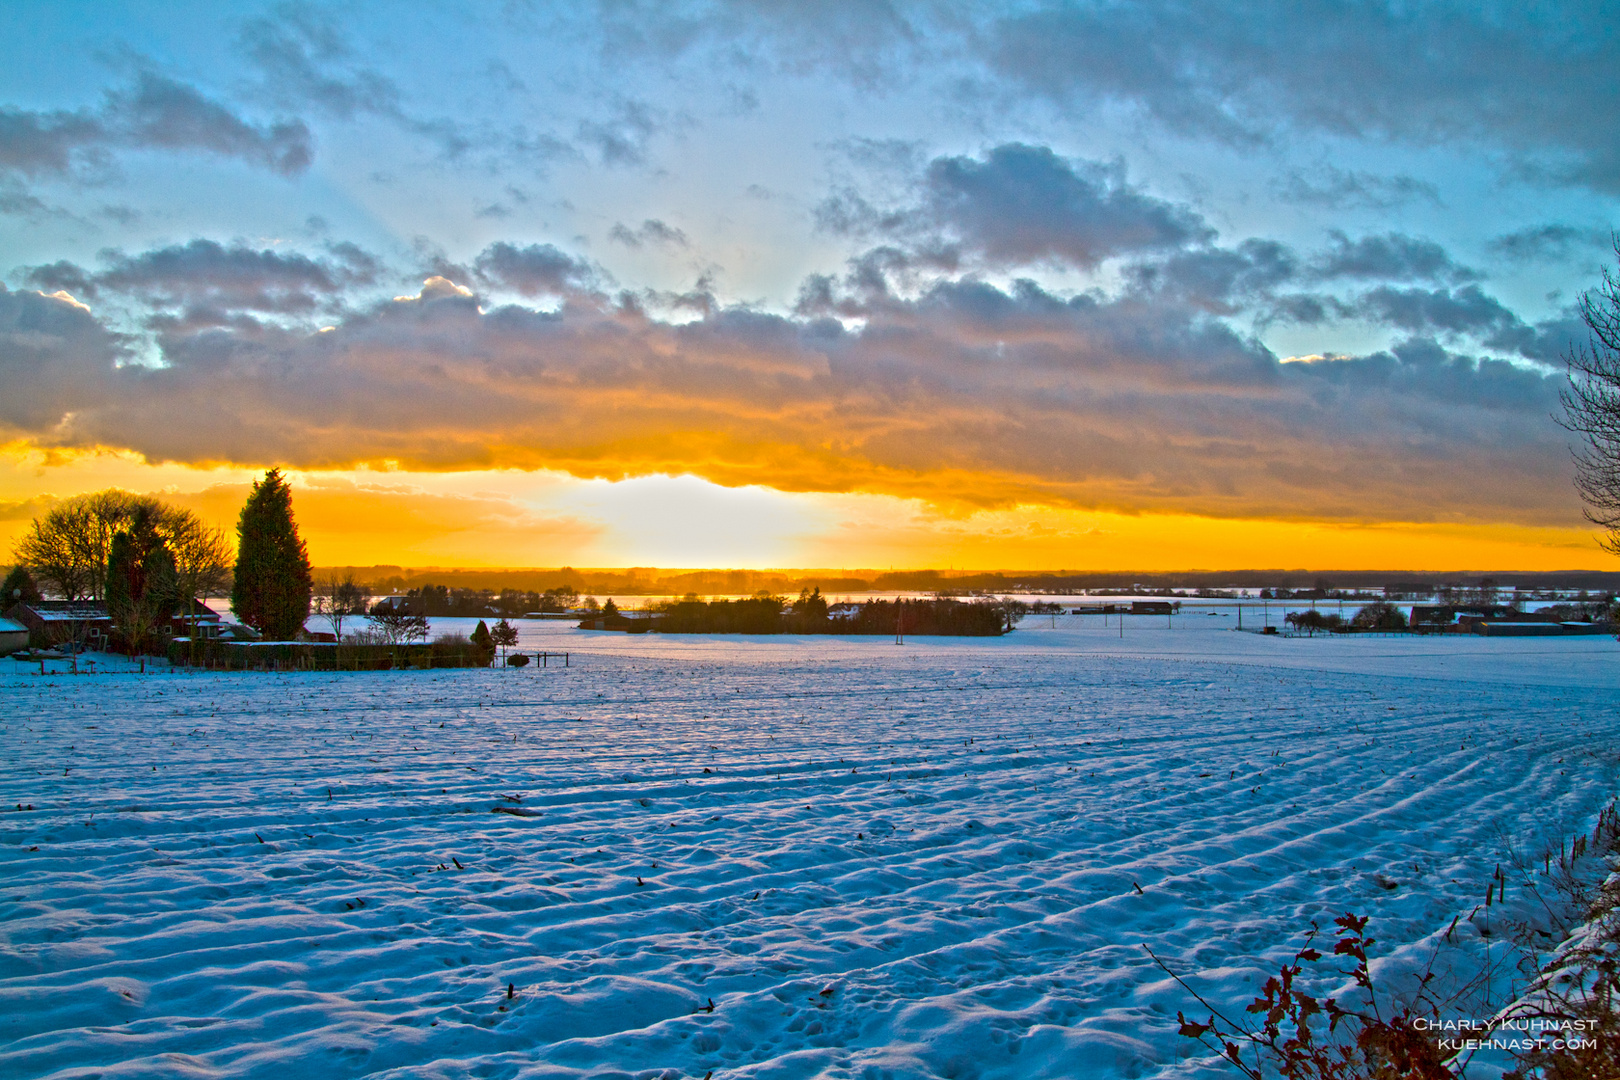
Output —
(11, 626)
(81, 614)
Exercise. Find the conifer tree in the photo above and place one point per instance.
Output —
(141, 582)
(273, 581)
(484, 642)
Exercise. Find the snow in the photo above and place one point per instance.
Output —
(873, 860)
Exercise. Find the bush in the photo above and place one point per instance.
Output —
(1297, 1035)
(1379, 616)
(517, 659)
(458, 650)
(1313, 621)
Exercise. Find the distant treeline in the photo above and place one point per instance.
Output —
(645, 581)
(443, 601)
(810, 614)
(980, 618)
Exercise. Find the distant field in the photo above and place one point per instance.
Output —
(874, 860)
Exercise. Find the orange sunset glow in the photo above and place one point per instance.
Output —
(792, 326)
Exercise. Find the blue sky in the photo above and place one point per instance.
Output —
(1057, 257)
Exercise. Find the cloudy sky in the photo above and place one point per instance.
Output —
(1061, 285)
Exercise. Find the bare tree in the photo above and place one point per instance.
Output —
(53, 550)
(399, 627)
(202, 564)
(68, 546)
(1592, 407)
(336, 600)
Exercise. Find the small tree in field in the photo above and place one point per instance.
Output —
(336, 600)
(482, 638)
(273, 584)
(505, 635)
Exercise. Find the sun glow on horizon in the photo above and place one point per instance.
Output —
(510, 518)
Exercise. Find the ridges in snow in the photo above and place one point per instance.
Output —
(952, 840)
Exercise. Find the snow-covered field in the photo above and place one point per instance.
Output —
(873, 861)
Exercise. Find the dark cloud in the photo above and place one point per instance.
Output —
(1520, 79)
(216, 281)
(307, 63)
(1424, 372)
(621, 138)
(15, 200)
(1305, 309)
(1549, 341)
(49, 143)
(1547, 243)
(873, 43)
(1390, 257)
(1470, 312)
(55, 357)
(1467, 310)
(534, 270)
(122, 215)
(159, 113)
(968, 392)
(1222, 280)
(62, 276)
(1021, 205)
(1342, 189)
(651, 231)
(846, 212)
(152, 113)
(1025, 204)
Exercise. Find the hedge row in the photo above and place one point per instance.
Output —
(325, 656)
